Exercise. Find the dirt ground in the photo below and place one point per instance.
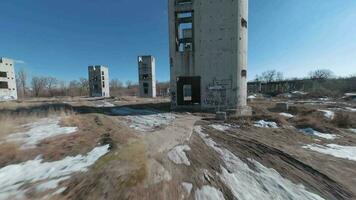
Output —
(155, 153)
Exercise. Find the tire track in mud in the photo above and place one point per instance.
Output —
(288, 166)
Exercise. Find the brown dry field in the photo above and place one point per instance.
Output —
(137, 166)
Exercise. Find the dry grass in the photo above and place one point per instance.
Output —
(343, 120)
(11, 123)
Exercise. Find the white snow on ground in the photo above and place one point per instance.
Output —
(352, 130)
(310, 131)
(38, 131)
(287, 115)
(265, 124)
(178, 156)
(59, 191)
(328, 114)
(252, 97)
(257, 183)
(220, 127)
(208, 193)
(104, 104)
(299, 93)
(187, 187)
(350, 109)
(345, 152)
(14, 177)
(52, 184)
(144, 120)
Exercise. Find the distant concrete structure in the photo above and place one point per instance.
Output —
(99, 81)
(208, 54)
(8, 89)
(147, 76)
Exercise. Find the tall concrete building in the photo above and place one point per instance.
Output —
(147, 76)
(208, 54)
(8, 89)
(99, 81)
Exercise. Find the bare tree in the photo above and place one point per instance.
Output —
(38, 84)
(116, 84)
(74, 88)
(129, 84)
(51, 84)
(279, 76)
(84, 87)
(321, 74)
(21, 79)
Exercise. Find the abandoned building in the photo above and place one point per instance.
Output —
(147, 76)
(99, 81)
(8, 89)
(208, 54)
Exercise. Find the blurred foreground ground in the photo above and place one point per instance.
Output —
(130, 148)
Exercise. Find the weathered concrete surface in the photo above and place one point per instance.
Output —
(211, 54)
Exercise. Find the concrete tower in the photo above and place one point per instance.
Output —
(208, 54)
(147, 76)
(8, 89)
(99, 81)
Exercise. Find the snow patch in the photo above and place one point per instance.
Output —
(14, 177)
(38, 131)
(178, 156)
(59, 191)
(144, 120)
(287, 115)
(105, 104)
(52, 184)
(208, 193)
(221, 127)
(257, 183)
(265, 124)
(252, 97)
(187, 187)
(352, 130)
(350, 109)
(310, 131)
(345, 152)
(328, 114)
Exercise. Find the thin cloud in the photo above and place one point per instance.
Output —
(19, 62)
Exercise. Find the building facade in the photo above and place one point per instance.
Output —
(8, 89)
(208, 54)
(147, 76)
(99, 81)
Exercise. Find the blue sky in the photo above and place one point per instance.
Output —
(61, 38)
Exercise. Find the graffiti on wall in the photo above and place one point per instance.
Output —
(216, 93)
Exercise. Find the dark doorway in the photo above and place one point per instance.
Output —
(145, 88)
(188, 90)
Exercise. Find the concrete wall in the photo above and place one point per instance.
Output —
(8, 90)
(147, 76)
(98, 81)
(218, 54)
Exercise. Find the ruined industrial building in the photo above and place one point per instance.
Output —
(8, 89)
(208, 54)
(147, 76)
(98, 81)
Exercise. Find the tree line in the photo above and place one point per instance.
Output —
(47, 86)
(274, 75)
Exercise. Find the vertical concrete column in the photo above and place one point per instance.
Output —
(242, 29)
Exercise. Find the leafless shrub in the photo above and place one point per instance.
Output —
(342, 120)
